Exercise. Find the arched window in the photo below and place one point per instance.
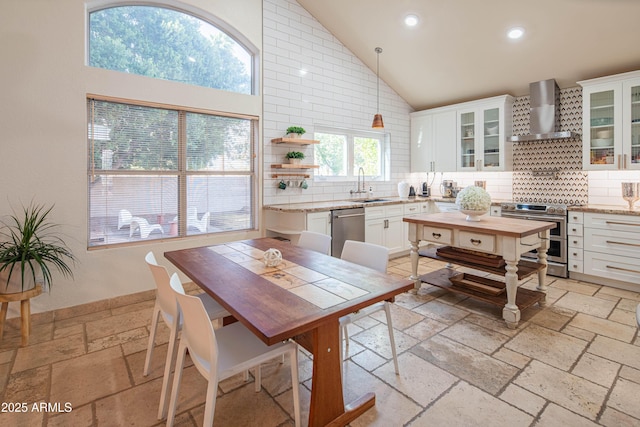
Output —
(159, 170)
(168, 44)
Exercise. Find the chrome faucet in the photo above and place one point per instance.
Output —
(362, 189)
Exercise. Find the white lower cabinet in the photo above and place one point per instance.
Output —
(384, 226)
(610, 247)
(575, 257)
(320, 222)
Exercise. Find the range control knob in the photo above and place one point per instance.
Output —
(551, 210)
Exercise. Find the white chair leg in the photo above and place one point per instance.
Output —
(177, 378)
(340, 328)
(387, 310)
(346, 340)
(210, 403)
(168, 370)
(152, 338)
(296, 386)
(258, 381)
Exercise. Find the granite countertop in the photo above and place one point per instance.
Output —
(606, 209)
(346, 204)
(356, 203)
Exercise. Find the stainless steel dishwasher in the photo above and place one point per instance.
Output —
(346, 224)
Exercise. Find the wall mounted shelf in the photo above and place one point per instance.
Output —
(293, 166)
(296, 141)
(301, 175)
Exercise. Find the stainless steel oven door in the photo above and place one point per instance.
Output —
(557, 237)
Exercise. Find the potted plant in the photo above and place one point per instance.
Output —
(295, 157)
(295, 131)
(30, 248)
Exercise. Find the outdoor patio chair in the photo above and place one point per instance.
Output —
(143, 225)
(124, 218)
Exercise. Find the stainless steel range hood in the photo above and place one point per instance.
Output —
(545, 113)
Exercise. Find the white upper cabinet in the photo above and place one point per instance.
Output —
(463, 137)
(433, 140)
(611, 122)
(483, 127)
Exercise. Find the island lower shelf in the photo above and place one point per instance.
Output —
(441, 278)
(525, 268)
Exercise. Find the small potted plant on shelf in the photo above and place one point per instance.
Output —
(30, 249)
(295, 131)
(295, 157)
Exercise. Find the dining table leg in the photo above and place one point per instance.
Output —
(327, 406)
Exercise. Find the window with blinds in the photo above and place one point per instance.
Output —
(156, 172)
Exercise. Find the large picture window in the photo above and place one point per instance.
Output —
(341, 153)
(160, 172)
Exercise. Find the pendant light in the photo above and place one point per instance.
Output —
(377, 119)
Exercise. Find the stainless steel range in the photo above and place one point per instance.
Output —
(557, 253)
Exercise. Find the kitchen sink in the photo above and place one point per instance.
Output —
(373, 200)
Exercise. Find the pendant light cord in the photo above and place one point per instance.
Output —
(378, 52)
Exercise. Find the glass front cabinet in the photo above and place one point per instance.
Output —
(482, 133)
(611, 122)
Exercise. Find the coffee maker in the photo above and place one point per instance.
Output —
(447, 188)
(426, 190)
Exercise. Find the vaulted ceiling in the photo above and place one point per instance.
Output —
(459, 50)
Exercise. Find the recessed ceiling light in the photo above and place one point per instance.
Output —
(411, 20)
(515, 33)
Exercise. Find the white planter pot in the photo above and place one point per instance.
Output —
(295, 161)
(15, 284)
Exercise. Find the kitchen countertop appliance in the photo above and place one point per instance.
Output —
(346, 224)
(447, 187)
(558, 246)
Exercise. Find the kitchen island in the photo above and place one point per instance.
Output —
(496, 238)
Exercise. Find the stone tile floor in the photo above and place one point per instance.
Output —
(574, 363)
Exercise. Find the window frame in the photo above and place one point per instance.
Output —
(351, 135)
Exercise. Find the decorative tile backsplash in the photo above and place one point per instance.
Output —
(550, 171)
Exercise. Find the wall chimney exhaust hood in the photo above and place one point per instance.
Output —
(545, 113)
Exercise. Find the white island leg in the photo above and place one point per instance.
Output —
(542, 274)
(511, 312)
(413, 240)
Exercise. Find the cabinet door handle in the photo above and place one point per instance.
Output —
(475, 241)
(624, 161)
(436, 235)
(386, 223)
(575, 242)
(612, 267)
(611, 242)
(619, 160)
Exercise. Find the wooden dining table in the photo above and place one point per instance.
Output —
(302, 299)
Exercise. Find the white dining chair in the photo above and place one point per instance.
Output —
(221, 354)
(315, 241)
(377, 258)
(166, 307)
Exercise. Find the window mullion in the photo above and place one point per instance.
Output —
(182, 173)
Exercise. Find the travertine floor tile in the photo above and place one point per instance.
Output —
(569, 391)
(554, 348)
(86, 378)
(441, 312)
(585, 304)
(377, 339)
(617, 351)
(466, 363)
(49, 352)
(612, 418)
(410, 381)
(596, 369)
(465, 405)
(392, 407)
(554, 416)
(604, 327)
(31, 385)
(523, 399)
(475, 336)
(80, 416)
(116, 324)
(624, 397)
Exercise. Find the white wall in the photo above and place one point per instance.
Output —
(338, 90)
(605, 187)
(43, 85)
